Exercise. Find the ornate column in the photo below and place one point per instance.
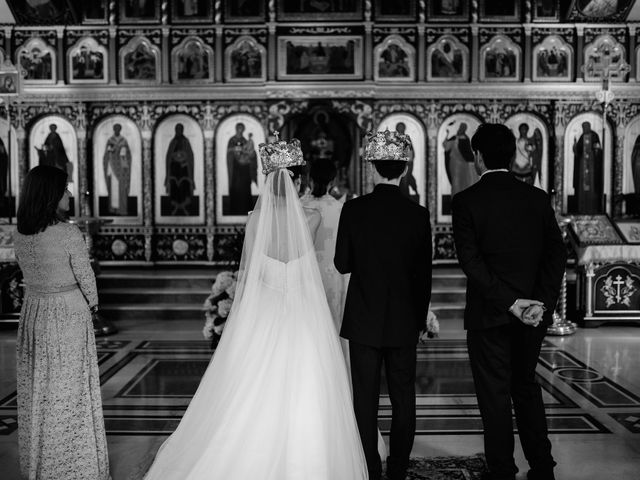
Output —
(580, 54)
(145, 123)
(113, 56)
(80, 122)
(475, 52)
(560, 125)
(219, 46)
(23, 159)
(528, 52)
(632, 53)
(618, 166)
(62, 74)
(272, 46)
(368, 42)
(208, 127)
(422, 55)
(433, 123)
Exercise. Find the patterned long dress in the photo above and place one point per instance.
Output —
(61, 431)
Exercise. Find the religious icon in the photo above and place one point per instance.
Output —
(500, 11)
(448, 10)
(599, 9)
(179, 177)
(37, 60)
(95, 10)
(8, 170)
(87, 62)
(139, 9)
(326, 135)
(631, 168)
(455, 165)
(244, 11)
(588, 157)
(38, 12)
(238, 176)
(53, 153)
(546, 10)
(192, 61)
(553, 60)
(447, 59)
(117, 169)
(140, 61)
(531, 161)
(396, 10)
(245, 60)
(320, 57)
(319, 10)
(459, 159)
(587, 171)
(9, 83)
(500, 60)
(179, 170)
(413, 184)
(242, 169)
(53, 141)
(605, 53)
(395, 59)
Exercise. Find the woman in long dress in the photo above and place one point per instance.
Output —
(60, 425)
(274, 403)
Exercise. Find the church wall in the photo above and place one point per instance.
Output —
(429, 68)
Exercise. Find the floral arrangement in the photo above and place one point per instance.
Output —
(218, 305)
(433, 328)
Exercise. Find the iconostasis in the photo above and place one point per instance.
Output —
(156, 109)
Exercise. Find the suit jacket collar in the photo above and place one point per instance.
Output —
(494, 178)
(386, 189)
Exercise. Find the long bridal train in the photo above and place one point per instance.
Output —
(275, 402)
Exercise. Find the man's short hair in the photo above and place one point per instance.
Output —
(389, 169)
(496, 143)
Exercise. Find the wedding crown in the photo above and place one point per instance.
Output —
(280, 154)
(387, 145)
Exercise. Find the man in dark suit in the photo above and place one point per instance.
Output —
(384, 241)
(510, 247)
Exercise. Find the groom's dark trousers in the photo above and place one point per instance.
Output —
(384, 241)
(510, 247)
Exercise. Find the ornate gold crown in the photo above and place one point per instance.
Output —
(280, 154)
(387, 145)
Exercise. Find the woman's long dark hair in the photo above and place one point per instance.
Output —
(322, 173)
(42, 191)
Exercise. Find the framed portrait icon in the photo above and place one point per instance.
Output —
(191, 11)
(245, 60)
(552, 60)
(320, 57)
(394, 60)
(88, 62)
(448, 10)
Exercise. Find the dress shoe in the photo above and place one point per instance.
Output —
(538, 475)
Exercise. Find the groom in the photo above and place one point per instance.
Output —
(510, 247)
(384, 241)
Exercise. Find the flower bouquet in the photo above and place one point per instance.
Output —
(218, 305)
(433, 328)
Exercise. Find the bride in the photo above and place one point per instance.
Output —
(274, 403)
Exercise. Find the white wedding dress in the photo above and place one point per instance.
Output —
(274, 403)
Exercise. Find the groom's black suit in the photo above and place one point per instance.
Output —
(510, 247)
(384, 241)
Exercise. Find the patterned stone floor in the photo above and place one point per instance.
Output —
(591, 385)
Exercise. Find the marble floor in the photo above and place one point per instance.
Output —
(591, 385)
